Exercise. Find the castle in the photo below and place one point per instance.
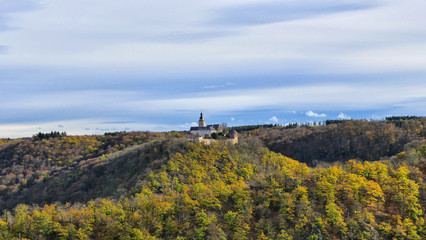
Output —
(203, 133)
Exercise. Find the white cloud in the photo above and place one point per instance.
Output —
(274, 119)
(142, 35)
(142, 39)
(209, 87)
(313, 114)
(188, 125)
(343, 116)
(232, 119)
(89, 104)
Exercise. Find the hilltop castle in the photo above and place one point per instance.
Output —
(203, 133)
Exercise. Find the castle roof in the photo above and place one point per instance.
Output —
(209, 127)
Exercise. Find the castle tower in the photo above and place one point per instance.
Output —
(233, 134)
(201, 122)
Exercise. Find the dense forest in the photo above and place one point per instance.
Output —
(143, 185)
(33, 169)
(343, 140)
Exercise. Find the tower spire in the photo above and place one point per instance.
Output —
(201, 122)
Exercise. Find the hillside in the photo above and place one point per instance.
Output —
(244, 192)
(143, 185)
(343, 140)
(113, 176)
(37, 170)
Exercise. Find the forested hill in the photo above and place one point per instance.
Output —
(244, 192)
(68, 168)
(342, 140)
(144, 185)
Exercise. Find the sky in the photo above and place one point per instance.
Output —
(89, 67)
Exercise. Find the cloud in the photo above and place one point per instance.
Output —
(274, 119)
(343, 116)
(188, 37)
(136, 106)
(139, 60)
(60, 126)
(10, 7)
(118, 122)
(225, 85)
(329, 36)
(232, 119)
(313, 114)
(7, 6)
(188, 125)
(4, 49)
(278, 11)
